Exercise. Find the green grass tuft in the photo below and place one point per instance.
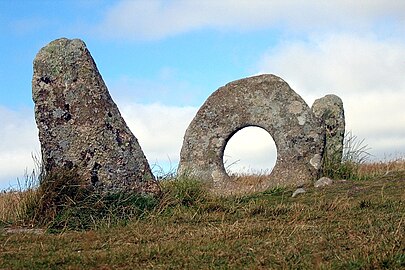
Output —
(64, 202)
(346, 166)
(184, 191)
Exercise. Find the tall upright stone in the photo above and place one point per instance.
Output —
(79, 124)
(329, 110)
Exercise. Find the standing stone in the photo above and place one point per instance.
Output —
(329, 110)
(79, 124)
(264, 101)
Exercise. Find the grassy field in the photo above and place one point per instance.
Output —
(353, 224)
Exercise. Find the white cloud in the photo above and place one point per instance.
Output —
(17, 145)
(361, 64)
(155, 19)
(159, 129)
(366, 72)
(250, 150)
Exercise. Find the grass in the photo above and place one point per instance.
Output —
(345, 163)
(350, 225)
(14, 203)
(64, 202)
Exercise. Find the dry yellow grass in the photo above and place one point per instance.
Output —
(13, 205)
(381, 168)
(10, 206)
(350, 225)
(243, 184)
(256, 182)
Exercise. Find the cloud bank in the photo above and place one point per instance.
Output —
(157, 19)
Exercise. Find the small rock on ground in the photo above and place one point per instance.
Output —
(298, 191)
(323, 182)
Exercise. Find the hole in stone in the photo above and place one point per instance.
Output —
(250, 151)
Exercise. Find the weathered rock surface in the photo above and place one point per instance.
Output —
(323, 182)
(264, 101)
(330, 112)
(79, 124)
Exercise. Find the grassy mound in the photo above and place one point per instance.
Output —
(354, 224)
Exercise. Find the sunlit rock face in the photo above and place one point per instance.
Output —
(79, 124)
(264, 101)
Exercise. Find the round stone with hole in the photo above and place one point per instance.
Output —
(264, 101)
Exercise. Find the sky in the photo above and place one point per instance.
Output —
(162, 59)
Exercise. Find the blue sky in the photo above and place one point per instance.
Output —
(162, 59)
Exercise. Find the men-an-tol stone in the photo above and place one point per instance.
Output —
(79, 124)
(264, 101)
